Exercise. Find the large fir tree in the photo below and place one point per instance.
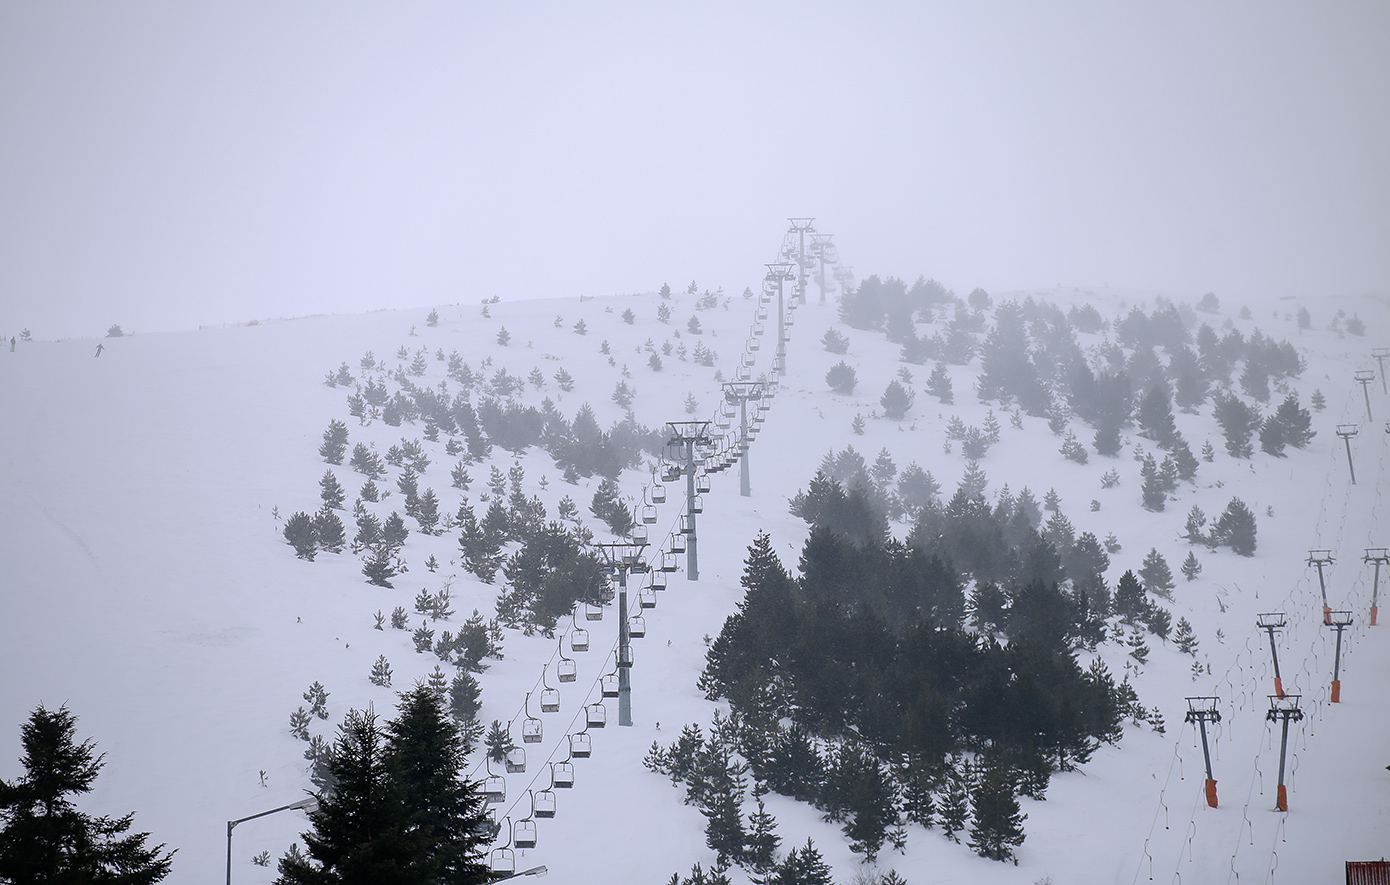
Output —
(44, 838)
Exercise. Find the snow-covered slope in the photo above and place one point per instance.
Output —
(147, 586)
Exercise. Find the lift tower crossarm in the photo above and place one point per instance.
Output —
(779, 272)
(1270, 622)
(801, 226)
(1338, 621)
(1364, 377)
(1380, 353)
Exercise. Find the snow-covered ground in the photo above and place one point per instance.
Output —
(147, 586)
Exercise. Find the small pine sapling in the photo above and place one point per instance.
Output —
(1318, 401)
(381, 672)
(300, 534)
(299, 724)
(380, 620)
(858, 425)
(424, 639)
(1191, 568)
(318, 699)
(1184, 638)
(399, 619)
(335, 440)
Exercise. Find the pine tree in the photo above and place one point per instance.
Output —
(1236, 528)
(954, 810)
(498, 742)
(1154, 496)
(896, 400)
(331, 492)
(1191, 568)
(1238, 423)
(841, 378)
(299, 534)
(1295, 422)
(939, 384)
(358, 830)
(1208, 453)
(1318, 401)
(803, 866)
(1155, 574)
(760, 846)
(1272, 440)
(378, 566)
(44, 838)
(1184, 638)
(998, 825)
(328, 528)
(335, 440)
(1130, 603)
(425, 754)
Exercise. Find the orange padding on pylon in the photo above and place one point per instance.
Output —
(1327, 614)
(1211, 792)
(1336, 691)
(1283, 799)
(1373, 614)
(1278, 686)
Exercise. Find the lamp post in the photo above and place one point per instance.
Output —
(309, 803)
(534, 871)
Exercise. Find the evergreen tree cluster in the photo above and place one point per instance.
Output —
(867, 649)
(399, 809)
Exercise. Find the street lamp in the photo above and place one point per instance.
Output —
(309, 803)
(534, 871)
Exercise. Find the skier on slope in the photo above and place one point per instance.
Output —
(100, 348)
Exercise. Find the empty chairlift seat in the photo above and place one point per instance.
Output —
(543, 803)
(516, 760)
(649, 514)
(593, 611)
(610, 685)
(550, 699)
(532, 730)
(659, 579)
(524, 834)
(697, 503)
(579, 639)
(596, 716)
(562, 775)
(495, 788)
(502, 861)
(581, 744)
(637, 626)
(677, 543)
(646, 599)
(658, 494)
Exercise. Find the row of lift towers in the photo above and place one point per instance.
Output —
(694, 450)
(1285, 708)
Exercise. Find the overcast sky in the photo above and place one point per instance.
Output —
(165, 165)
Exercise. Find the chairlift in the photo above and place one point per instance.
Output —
(488, 828)
(743, 373)
(543, 803)
(581, 745)
(524, 833)
(701, 483)
(595, 716)
(646, 599)
(790, 318)
(668, 562)
(593, 611)
(624, 656)
(753, 344)
(562, 775)
(658, 494)
(723, 421)
(637, 626)
(610, 685)
(550, 697)
(495, 788)
(687, 526)
(531, 728)
(761, 312)
(649, 514)
(516, 760)
(677, 546)
(659, 579)
(579, 637)
(566, 671)
(502, 859)
(697, 504)
(670, 473)
(639, 531)
(747, 359)
(757, 329)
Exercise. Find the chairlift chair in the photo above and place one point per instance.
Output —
(697, 504)
(562, 775)
(593, 611)
(761, 313)
(495, 788)
(524, 833)
(566, 671)
(658, 494)
(610, 685)
(543, 803)
(637, 626)
(677, 546)
(625, 656)
(701, 483)
(579, 639)
(659, 579)
(502, 859)
(550, 697)
(516, 760)
(758, 328)
(581, 744)
(686, 527)
(743, 373)
(670, 473)
(668, 563)
(531, 728)
(639, 532)
(747, 359)
(723, 421)
(649, 514)
(646, 599)
(595, 716)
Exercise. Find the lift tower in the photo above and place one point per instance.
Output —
(685, 437)
(801, 226)
(1380, 353)
(1338, 621)
(741, 392)
(1322, 559)
(780, 272)
(1202, 711)
(1270, 622)
(1283, 708)
(1346, 432)
(1364, 377)
(823, 250)
(1380, 556)
(623, 557)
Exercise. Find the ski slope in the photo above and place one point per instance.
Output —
(147, 586)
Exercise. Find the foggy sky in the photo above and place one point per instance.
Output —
(165, 165)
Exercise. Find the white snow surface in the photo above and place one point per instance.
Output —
(144, 582)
